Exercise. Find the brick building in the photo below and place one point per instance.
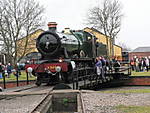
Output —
(140, 52)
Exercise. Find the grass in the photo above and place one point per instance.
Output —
(127, 91)
(133, 109)
(140, 73)
(23, 76)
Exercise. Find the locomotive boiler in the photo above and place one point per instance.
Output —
(61, 53)
(67, 44)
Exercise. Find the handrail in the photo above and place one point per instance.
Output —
(93, 75)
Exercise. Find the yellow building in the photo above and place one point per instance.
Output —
(101, 38)
(31, 44)
(117, 52)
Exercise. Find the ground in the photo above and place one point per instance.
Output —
(118, 100)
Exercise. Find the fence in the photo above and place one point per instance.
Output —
(13, 83)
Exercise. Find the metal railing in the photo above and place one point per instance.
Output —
(87, 75)
(4, 83)
(84, 76)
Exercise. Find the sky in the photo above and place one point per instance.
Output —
(72, 13)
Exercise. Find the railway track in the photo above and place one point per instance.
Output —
(53, 102)
(44, 105)
(28, 88)
(23, 99)
(43, 99)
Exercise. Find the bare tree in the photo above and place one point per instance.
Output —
(18, 18)
(124, 46)
(107, 18)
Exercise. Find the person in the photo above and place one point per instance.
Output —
(140, 65)
(132, 64)
(116, 65)
(1, 89)
(103, 62)
(147, 63)
(29, 71)
(144, 64)
(137, 64)
(98, 66)
(9, 69)
(1, 70)
(15, 72)
(18, 68)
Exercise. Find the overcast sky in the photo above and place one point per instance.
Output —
(72, 13)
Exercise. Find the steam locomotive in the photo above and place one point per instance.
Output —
(63, 52)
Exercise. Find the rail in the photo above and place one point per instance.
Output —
(125, 67)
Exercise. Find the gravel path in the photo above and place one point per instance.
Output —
(97, 102)
(20, 104)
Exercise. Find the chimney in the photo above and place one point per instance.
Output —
(52, 26)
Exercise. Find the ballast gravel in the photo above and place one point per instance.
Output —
(94, 101)
(20, 104)
(99, 102)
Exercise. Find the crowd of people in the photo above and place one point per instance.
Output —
(140, 64)
(8, 69)
(104, 65)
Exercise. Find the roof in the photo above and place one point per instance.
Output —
(142, 49)
(94, 30)
(117, 45)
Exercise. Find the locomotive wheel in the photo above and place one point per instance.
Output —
(65, 77)
(38, 83)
